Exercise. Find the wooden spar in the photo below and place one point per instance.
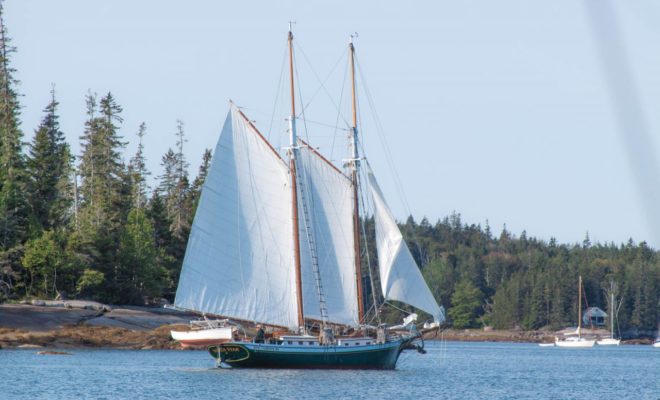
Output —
(293, 103)
(580, 306)
(358, 261)
(325, 160)
(294, 191)
(353, 95)
(354, 179)
(296, 243)
(256, 131)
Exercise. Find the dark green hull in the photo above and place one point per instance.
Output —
(251, 355)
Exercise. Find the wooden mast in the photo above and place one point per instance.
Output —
(579, 306)
(294, 190)
(354, 178)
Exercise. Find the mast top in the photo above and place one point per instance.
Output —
(353, 35)
(291, 23)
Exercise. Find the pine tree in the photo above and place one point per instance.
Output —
(14, 212)
(174, 189)
(101, 170)
(196, 188)
(104, 189)
(138, 173)
(139, 273)
(49, 167)
(178, 205)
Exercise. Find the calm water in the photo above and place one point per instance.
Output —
(457, 371)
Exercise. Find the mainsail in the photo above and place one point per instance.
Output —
(329, 197)
(400, 277)
(239, 259)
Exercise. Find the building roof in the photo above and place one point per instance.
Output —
(595, 312)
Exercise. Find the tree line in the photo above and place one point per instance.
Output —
(507, 281)
(89, 226)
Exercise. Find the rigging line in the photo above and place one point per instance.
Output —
(322, 83)
(324, 124)
(341, 99)
(388, 154)
(366, 248)
(393, 306)
(277, 93)
(310, 230)
(384, 143)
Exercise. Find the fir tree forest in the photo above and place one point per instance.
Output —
(90, 226)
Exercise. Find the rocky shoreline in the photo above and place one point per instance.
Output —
(86, 324)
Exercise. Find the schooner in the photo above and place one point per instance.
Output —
(276, 241)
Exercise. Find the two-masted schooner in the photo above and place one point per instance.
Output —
(276, 241)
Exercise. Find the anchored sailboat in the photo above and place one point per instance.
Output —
(611, 341)
(578, 341)
(276, 241)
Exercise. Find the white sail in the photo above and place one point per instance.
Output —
(400, 277)
(239, 261)
(329, 199)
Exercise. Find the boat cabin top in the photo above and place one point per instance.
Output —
(306, 340)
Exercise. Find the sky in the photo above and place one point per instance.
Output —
(541, 115)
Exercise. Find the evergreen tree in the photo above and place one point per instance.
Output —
(137, 171)
(467, 302)
(49, 167)
(139, 273)
(14, 212)
(101, 169)
(196, 188)
(104, 189)
(179, 208)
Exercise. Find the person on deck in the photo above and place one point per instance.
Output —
(261, 335)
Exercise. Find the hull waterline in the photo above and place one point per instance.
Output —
(252, 355)
(576, 344)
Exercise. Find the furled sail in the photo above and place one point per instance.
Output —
(239, 259)
(329, 202)
(400, 277)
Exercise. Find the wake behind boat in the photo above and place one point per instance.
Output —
(278, 240)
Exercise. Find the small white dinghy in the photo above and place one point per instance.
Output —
(547, 344)
(205, 333)
(657, 343)
(609, 342)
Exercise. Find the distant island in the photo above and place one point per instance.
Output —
(88, 226)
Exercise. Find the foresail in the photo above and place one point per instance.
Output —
(400, 277)
(329, 197)
(239, 259)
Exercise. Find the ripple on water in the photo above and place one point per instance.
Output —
(454, 371)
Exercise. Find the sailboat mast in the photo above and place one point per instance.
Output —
(612, 313)
(354, 178)
(580, 306)
(294, 190)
